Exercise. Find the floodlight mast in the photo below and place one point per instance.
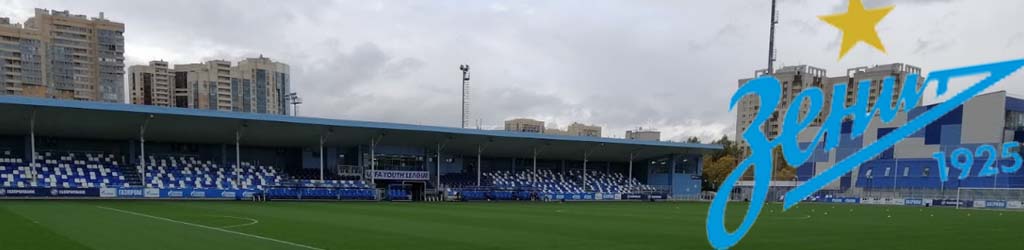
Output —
(465, 94)
(771, 40)
(294, 99)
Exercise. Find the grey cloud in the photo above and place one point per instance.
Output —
(842, 5)
(669, 65)
(1016, 39)
(928, 46)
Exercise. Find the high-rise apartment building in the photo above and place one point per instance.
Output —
(876, 75)
(643, 134)
(151, 84)
(260, 85)
(525, 125)
(255, 85)
(535, 126)
(56, 54)
(576, 129)
(206, 85)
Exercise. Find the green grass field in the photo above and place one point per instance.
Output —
(481, 225)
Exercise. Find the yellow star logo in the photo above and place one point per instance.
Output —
(858, 25)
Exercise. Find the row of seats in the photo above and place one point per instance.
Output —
(399, 194)
(330, 183)
(320, 193)
(189, 172)
(64, 170)
(548, 181)
(88, 170)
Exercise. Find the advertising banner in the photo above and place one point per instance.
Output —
(844, 200)
(151, 193)
(952, 203)
(995, 204)
(1014, 205)
(24, 192)
(187, 193)
(913, 202)
(49, 192)
(108, 192)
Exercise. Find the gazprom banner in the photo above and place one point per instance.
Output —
(122, 193)
(49, 192)
(182, 193)
(994, 204)
(913, 202)
(397, 175)
(844, 200)
(200, 193)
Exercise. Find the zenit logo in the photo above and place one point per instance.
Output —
(857, 25)
(769, 91)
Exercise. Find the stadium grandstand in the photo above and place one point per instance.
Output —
(62, 148)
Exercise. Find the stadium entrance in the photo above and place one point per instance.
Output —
(400, 185)
(405, 191)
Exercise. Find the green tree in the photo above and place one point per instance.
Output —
(693, 139)
(718, 164)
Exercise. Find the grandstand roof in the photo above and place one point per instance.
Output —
(111, 121)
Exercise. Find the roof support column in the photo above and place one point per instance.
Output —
(632, 155)
(534, 161)
(373, 158)
(672, 173)
(238, 158)
(32, 142)
(323, 138)
(440, 146)
(322, 158)
(479, 162)
(142, 149)
(586, 158)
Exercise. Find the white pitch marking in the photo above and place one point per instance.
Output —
(794, 218)
(251, 221)
(211, 228)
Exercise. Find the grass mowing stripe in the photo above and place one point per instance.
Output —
(211, 228)
(20, 232)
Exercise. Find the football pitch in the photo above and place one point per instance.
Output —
(485, 225)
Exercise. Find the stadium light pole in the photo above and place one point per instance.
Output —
(293, 99)
(465, 94)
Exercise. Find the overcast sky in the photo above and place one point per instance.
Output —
(670, 65)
